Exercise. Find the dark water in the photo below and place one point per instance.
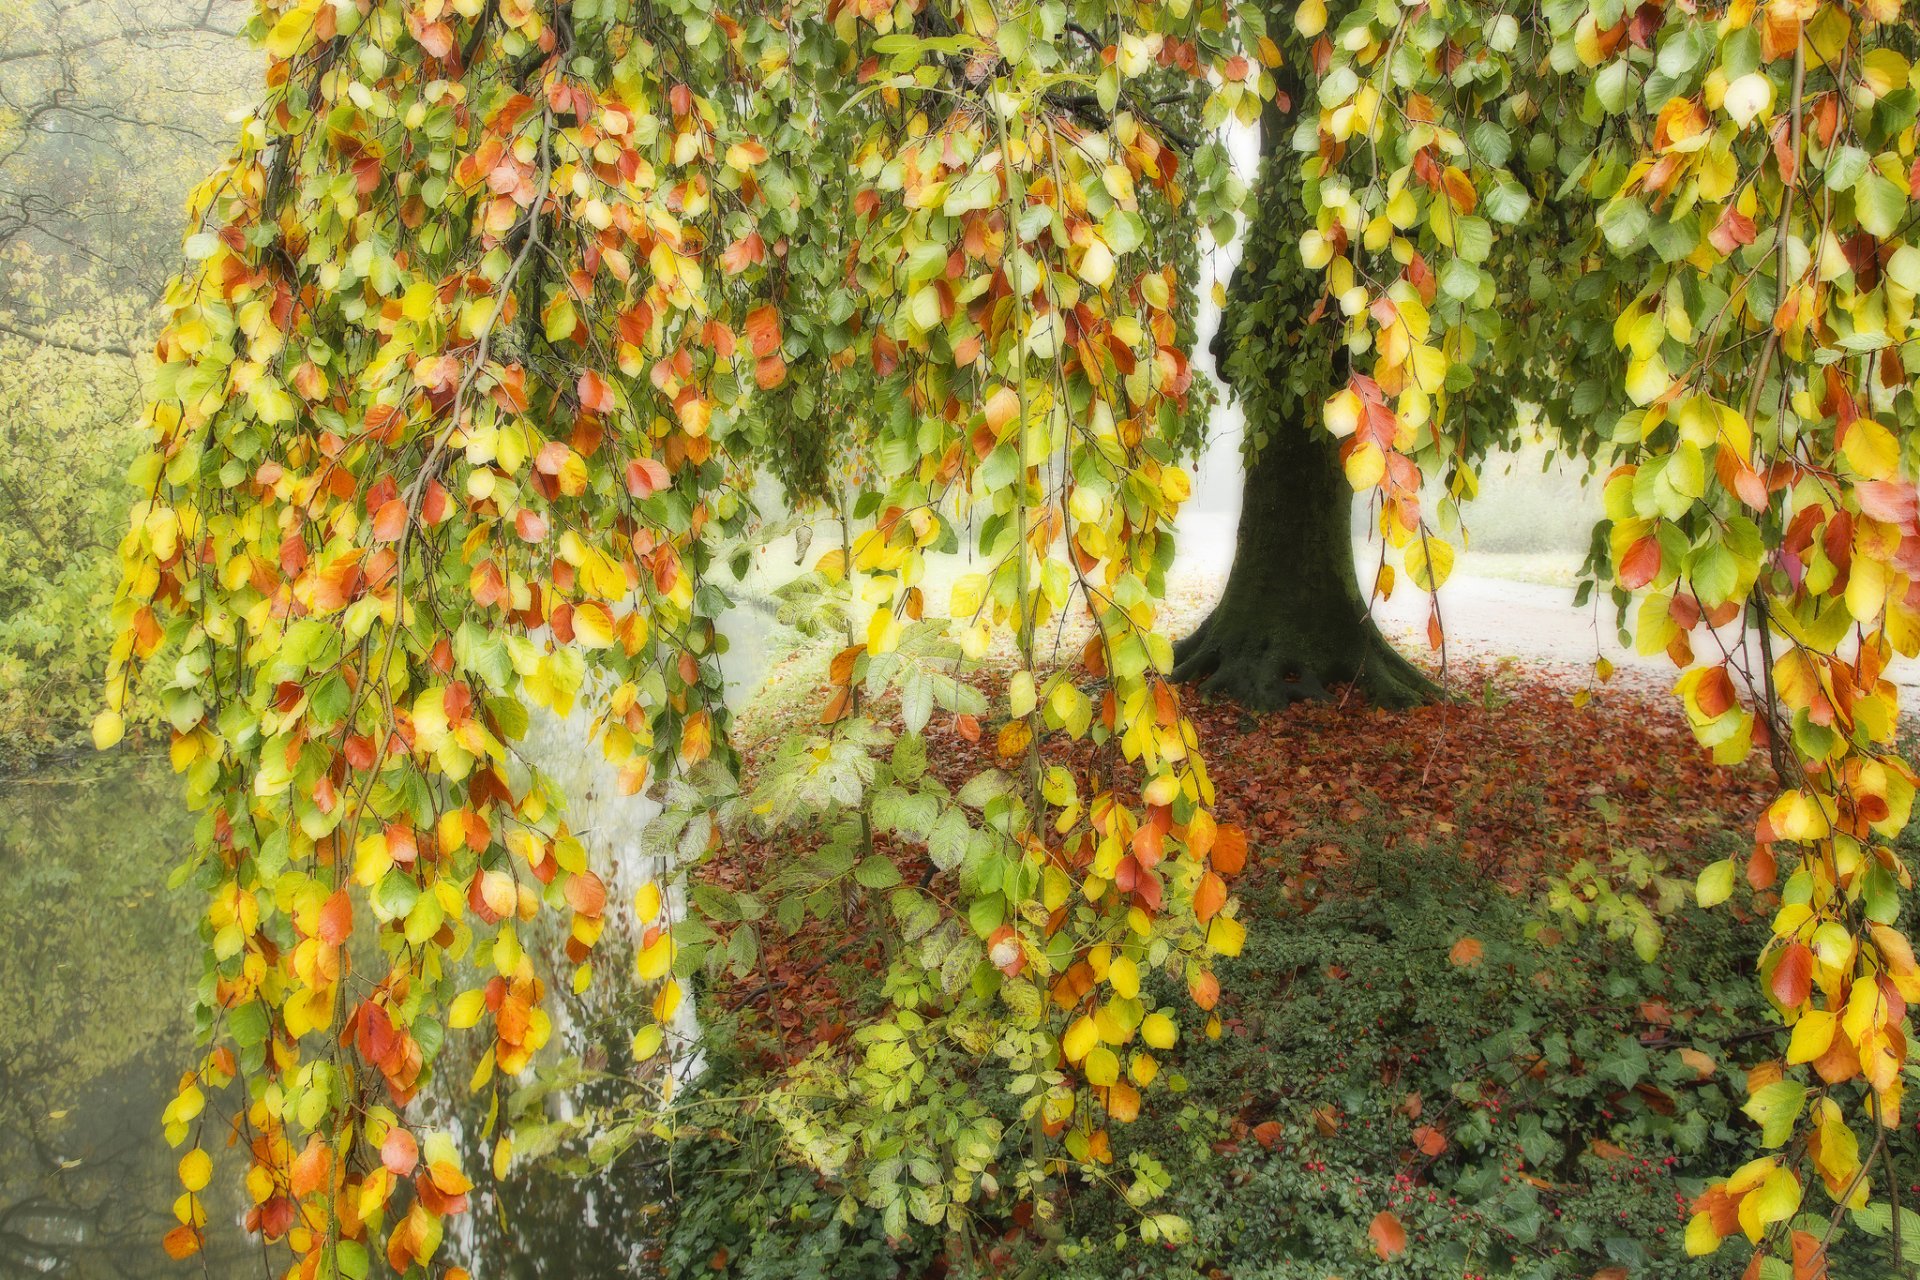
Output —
(97, 960)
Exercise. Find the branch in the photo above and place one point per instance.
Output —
(62, 344)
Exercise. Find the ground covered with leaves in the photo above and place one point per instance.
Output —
(1414, 1031)
(1478, 1031)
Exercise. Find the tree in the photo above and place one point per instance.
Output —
(1291, 621)
(88, 217)
(488, 324)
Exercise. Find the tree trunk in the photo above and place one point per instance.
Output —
(1291, 622)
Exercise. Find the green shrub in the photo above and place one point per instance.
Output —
(1583, 1096)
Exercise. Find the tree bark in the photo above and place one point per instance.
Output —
(1292, 623)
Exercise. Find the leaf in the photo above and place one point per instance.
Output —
(1389, 1238)
(1209, 897)
(646, 477)
(877, 872)
(1715, 884)
(1776, 1108)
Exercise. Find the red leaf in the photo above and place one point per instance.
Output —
(1793, 976)
(1641, 563)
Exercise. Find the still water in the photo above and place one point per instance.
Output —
(95, 970)
(97, 965)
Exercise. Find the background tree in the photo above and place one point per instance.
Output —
(108, 114)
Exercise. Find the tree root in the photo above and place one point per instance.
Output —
(1264, 671)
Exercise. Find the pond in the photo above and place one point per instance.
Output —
(94, 981)
(96, 976)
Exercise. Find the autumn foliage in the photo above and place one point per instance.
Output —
(496, 307)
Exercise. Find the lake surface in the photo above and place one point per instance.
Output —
(97, 966)
(95, 975)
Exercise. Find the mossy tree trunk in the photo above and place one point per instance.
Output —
(1291, 623)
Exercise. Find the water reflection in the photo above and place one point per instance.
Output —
(96, 970)
(94, 973)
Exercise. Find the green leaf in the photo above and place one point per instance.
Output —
(877, 872)
(1715, 884)
(1880, 205)
(1776, 1108)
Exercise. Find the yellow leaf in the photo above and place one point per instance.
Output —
(1020, 694)
(1080, 1039)
(290, 33)
(655, 959)
(466, 1009)
(1365, 466)
(1103, 1067)
(196, 1170)
(1812, 1036)
(1871, 450)
(1702, 1239)
(108, 728)
(1429, 562)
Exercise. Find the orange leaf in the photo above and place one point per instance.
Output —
(1209, 897)
(1702, 1065)
(1466, 953)
(181, 1242)
(336, 919)
(595, 394)
(1809, 1257)
(1430, 1140)
(763, 330)
(1388, 1236)
(840, 670)
(309, 1173)
(399, 1153)
(1267, 1134)
(645, 477)
(1229, 855)
(1001, 407)
(586, 893)
(390, 521)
